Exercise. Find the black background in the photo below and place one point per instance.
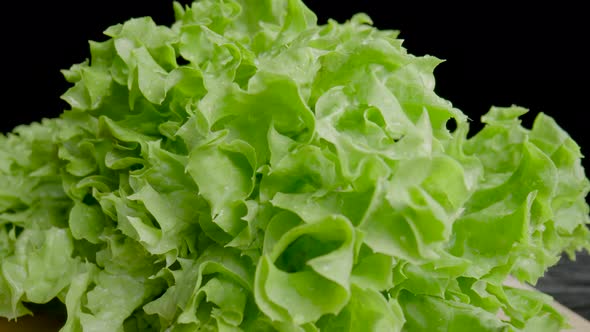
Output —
(499, 54)
(496, 54)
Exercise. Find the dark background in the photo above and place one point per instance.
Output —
(496, 54)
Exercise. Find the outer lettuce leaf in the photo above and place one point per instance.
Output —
(428, 313)
(248, 170)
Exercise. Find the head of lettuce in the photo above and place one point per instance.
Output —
(248, 170)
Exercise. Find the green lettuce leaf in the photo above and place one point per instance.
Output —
(247, 169)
